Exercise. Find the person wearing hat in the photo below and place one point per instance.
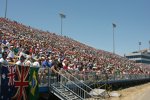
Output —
(4, 48)
(21, 61)
(11, 54)
(36, 63)
(28, 61)
(46, 63)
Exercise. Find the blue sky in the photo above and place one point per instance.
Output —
(88, 21)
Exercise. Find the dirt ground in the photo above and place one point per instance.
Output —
(141, 92)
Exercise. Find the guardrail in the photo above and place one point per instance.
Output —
(93, 76)
(80, 78)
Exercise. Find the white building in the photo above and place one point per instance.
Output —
(142, 56)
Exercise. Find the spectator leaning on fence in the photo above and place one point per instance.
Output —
(46, 62)
(55, 70)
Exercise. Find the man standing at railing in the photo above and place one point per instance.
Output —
(43, 71)
(46, 63)
(55, 70)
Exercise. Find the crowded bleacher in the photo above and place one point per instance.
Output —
(41, 49)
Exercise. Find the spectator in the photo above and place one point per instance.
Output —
(3, 60)
(36, 63)
(55, 70)
(46, 63)
(11, 54)
(21, 61)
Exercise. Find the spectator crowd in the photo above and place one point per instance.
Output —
(24, 45)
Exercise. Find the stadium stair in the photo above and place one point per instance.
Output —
(68, 89)
(63, 92)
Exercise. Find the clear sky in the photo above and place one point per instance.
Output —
(88, 21)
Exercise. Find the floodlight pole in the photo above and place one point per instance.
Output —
(6, 9)
(62, 16)
(113, 40)
(61, 26)
(139, 46)
(149, 45)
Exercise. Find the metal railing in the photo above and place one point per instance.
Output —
(80, 82)
(74, 85)
(127, 76)
(55, 85)
(75, 82)
(93, 76)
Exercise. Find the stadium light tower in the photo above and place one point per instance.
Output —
(149, 45)
(140, 46)
(62, 16)
(114, 26)
(6, 9)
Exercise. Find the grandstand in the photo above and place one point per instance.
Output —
(79, 61)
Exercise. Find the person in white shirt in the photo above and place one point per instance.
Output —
(21, 61)
(36, 63)
(3, 60)
(28, 61)
(11, 54)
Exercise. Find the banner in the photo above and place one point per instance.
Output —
(18, 82)
(21, 83)
(33, 84)
(7, 82)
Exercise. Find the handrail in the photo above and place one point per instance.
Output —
(77, 85)
(125, 76)
(61, 92)
(67, 89)
(82, 83)
(71, 91)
